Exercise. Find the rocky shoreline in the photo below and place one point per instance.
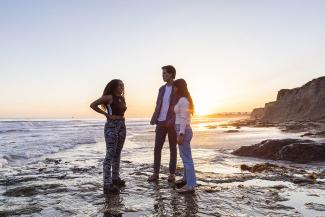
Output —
(307, 128)
(295, 150)
(69, 182)
(70, 185)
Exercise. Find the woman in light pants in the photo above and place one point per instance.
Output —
(184, 109)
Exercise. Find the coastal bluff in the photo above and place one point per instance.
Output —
(305, 103)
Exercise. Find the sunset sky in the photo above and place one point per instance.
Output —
(57, 56)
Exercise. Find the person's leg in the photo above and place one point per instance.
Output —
(181, 154)
(119, 147)
(186, 155)
(111, 143)
(172, 138)
(159, 142)
(184, 174)
(180, 147)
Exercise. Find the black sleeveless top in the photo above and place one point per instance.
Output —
(118, 106)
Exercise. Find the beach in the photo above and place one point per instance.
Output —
(54, 168)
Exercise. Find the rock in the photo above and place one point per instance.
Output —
(279, 187)
(76, 169)
(315, 206)
(13, 211)
(299, 104)
(302, 180)
(307, 134)
(293, 126)
(257, 114)
(321, 175)
(50, 160)
(313, 195)
(212, 189)
(211, 126)
(24, 191)
(321, 134)
(126, 161)
(231, 131)
(317, 134)
(41, 169)
(259, 167)
(312, 176)
(27, 191)
(244, 167)
(295, 150)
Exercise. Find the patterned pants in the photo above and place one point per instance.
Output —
(115, 133)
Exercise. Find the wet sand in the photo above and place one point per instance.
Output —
(69, 182)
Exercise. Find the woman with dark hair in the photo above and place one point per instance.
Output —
(184, 109)
(113, 106)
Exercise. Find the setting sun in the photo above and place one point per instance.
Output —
(203, 103)
(203, 108)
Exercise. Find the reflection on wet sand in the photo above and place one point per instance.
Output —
(113, 205)
(176, 205)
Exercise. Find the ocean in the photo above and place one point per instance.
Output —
(22, 141)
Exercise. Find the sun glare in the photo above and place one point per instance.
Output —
(202, 109)
(205, 103)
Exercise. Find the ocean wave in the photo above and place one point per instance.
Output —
(44, 137)
(47, 137)
(13, 131)
(13, 157)
(33, 151)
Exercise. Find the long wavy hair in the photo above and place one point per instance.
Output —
(110, 90)
(182, 91)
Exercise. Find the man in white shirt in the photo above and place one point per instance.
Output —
(164, 119)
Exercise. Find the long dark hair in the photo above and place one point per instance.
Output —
(110, 89)
(182, 91)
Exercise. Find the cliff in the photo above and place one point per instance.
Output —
(305, 103)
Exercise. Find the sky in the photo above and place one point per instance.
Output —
(57, 56)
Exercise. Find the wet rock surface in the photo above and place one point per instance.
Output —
(70, 184)
(295, 150)
(315, 206)
(231, 131)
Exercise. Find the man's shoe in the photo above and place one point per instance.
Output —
(119, 182)
(153, 178)
(180, 183)
(185, 190)
(171, 178)
(110, 189)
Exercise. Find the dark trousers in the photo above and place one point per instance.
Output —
(115, 133)
(161, 132)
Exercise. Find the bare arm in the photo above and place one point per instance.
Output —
(102, 100)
